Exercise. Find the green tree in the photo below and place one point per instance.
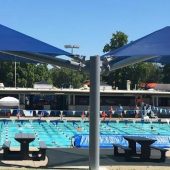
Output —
(7, 73)
(66, 77)
(137, 73)
(42, 73)
(166, 73)
(26, 74)
(22, 75)
(118, 40)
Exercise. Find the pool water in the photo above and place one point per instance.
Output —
(59, 133)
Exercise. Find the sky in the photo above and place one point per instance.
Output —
(87, 23)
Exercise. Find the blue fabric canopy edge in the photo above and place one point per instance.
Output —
(155, 44)
(11, 40)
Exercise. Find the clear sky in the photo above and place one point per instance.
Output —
(88, 23)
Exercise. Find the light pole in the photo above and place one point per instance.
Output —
(72, 47)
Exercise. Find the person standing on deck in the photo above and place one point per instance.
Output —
(61, 115)
(110, 112)
(120, 111)
(83, 115)
(136, 111)
(104, 115)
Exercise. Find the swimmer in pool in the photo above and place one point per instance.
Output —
(20, 128)
(79, 128)
(152, 129)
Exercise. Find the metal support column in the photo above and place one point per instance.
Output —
(157, 101)
(74, 100)
(69, 99)
(94, 154)
(153, 100)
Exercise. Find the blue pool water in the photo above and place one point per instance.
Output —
(60, 133)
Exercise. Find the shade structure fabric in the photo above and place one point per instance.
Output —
(9, 102)
(12, 40)
(155, 44)
(4, 57)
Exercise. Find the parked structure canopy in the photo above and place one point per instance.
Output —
(12, 40)
(17, 46)
(154, 47)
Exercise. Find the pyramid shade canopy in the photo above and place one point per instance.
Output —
(154, 47)
(14, 41)
(9, 102)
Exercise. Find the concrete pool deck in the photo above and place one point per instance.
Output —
(73, 158)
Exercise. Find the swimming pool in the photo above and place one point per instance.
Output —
(60, 133)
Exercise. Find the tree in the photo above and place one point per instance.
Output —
(7, 73)
(42, 73)
(137, 73)
(66, 77)
(26, 74)
(166, 73)
(118, 40)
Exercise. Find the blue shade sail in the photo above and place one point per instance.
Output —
(11, 40)
(156, 44)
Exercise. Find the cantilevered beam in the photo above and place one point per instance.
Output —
(42, 58)
(111, 65)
